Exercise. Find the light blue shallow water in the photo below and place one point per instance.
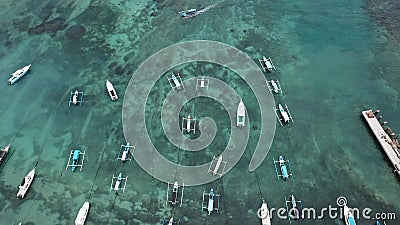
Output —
(329, 59)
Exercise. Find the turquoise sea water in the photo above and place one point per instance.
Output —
(332, 59)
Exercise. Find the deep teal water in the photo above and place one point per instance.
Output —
(329, 62)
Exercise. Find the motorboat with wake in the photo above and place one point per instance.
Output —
(18, 74)
(264, 214)
(3, 153)
(241, 114)
(111, 91)
(194, 12)
(25, 184)
(82, 214)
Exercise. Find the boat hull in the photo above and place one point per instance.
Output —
(241, 115)
(18, 75)
(348, 216)
(82, 214)
(111, 91)
(3, 153)
(264, 214)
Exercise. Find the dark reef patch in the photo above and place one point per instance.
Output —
(52, 26)
(386, 14)
(75, 32)
(119, 70)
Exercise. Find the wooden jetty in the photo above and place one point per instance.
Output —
(389, 145)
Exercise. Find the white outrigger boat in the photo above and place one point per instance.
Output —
(117, 184)
(170, 221)
(189, 127)
(175, 199)
(202, 83)
(217, 161)
(111, 91)
(286, 116)
(274, 86)
(266, 64)
(75, 98)
(3, 153)
(82, 214)
(348, 216)
(241, 114)
(18, 74)
(125, 153)
(26, 183)
(176, 82)
(264, 214)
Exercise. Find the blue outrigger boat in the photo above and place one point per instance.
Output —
(75, 154)
(75, 98)
(349, 217)
(293, 208)
(125, 153)
(285, 171)
(211, 197)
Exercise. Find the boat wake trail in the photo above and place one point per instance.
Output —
(315, 144)
(112, 207)
(208, 7)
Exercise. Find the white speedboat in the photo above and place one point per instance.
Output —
(284, 114)
(348, 216)
(264, 214)
(189, 13)
(18, 74)
(25, 184)
(3, 153)
(241, 114)
(111, 91)
(82, 214)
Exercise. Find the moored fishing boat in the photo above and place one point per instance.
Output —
(348, 216)
(111, 91)
(82, 214)
(241, 114)
(264, 214)
(3, 153)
